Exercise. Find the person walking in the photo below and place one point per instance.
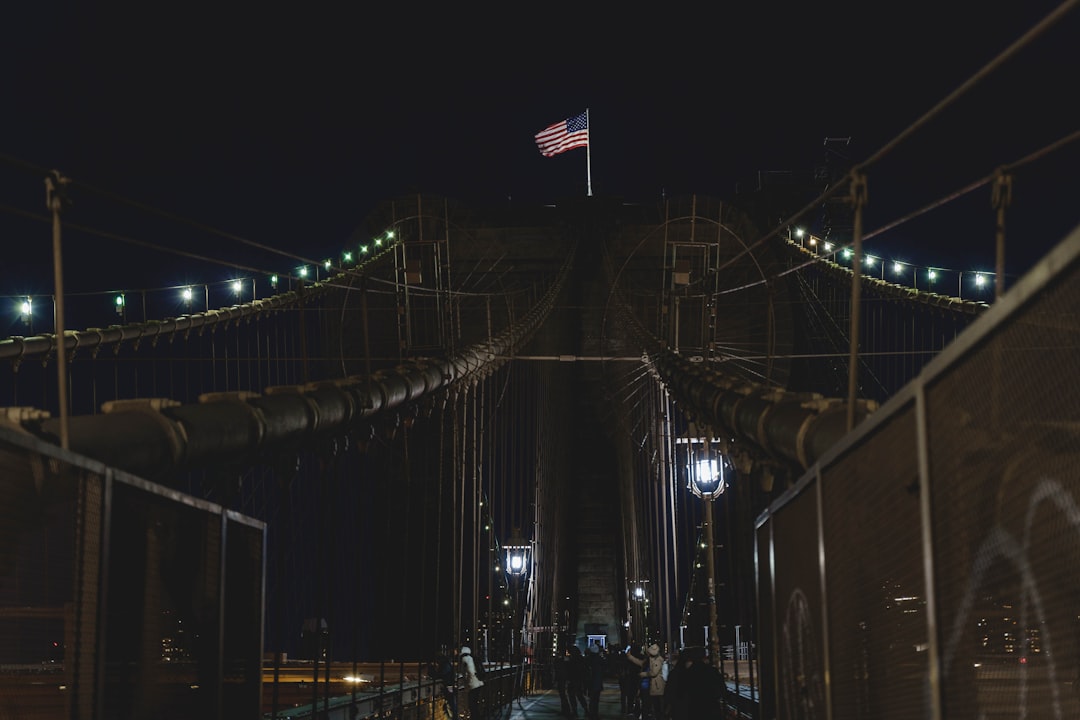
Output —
(595, 663)
(562, 673)
(652, 671)
(694, 687)
(577, 679)
(472, 681)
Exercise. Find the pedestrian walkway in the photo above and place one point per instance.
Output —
(544, 705)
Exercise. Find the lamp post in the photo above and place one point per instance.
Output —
(516, 558)
(640, 594)
(708, 473)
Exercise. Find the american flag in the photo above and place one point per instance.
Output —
(564, 135)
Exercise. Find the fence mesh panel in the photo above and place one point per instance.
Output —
(874, 588)
(120, 598)
(1002, 444)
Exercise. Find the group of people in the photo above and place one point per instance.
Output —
(442, 669)
(580, 680)
(650, 688)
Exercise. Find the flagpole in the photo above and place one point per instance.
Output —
(588, 154)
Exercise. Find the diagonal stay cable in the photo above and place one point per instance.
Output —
(130, 240)
(945, 199)
(116, 197)
(964, 87)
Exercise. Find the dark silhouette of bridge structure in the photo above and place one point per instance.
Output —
(331, 474)
(479, 427)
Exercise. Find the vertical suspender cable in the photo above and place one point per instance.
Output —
(302, 310)
(440, 497)
(858, 199)
(460, 438)
(55, 185)
(474, 498)
(407, 520)
(666, 488)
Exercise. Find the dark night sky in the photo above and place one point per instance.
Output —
(288, 127)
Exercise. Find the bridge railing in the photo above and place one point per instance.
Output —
(131, 599)
(923, 566)
(416, 699)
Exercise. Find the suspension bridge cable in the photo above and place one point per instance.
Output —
(1006, 54)
(133, 241)
(1022, 42)
(981, 182)
(945, 199)
(116, 197)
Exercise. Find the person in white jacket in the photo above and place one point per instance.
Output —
(652, 666)
(472, 682)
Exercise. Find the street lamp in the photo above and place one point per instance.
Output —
(516, 559)
(639, 592)
(26, 310)
(708, 475)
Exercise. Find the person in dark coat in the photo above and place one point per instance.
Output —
(595, 663)
(629, 682)
(694, 687)
(442, 670)
(577, 679)
(562, 675)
